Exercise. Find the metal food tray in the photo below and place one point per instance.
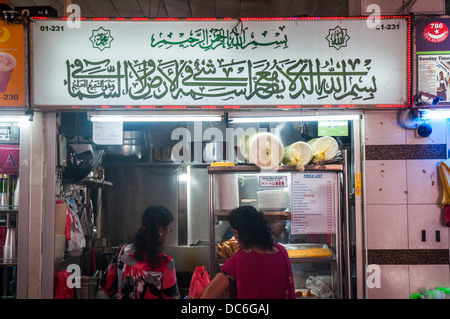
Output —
(309, 246)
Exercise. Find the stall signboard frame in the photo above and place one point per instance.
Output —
(432, 55)
(13, 67)
(220, 63)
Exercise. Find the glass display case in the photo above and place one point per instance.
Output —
(304, 210)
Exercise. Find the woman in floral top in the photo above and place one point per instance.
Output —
(143, 271)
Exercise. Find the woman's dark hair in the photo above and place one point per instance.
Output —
(147, 238)
(252, 227)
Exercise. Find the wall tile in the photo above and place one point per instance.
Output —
(430, 219)
(405, 152)
(385, 182)
(394, 283)
(381, 128)
(408, 256)
(423, 182)
(438, 134)
(387, 227)
(428, 276)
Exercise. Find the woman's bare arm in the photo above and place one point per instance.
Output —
(216, 287)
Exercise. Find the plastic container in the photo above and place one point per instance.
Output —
(318, 287)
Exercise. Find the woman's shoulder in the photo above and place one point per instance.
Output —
(129, 248)
(166, 257)
(280, 248)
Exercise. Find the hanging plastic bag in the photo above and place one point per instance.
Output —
(200, 279)
(62, 290)
(77, 241)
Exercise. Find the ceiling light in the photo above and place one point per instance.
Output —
(267, 119)
(155, 118)
(434, 113)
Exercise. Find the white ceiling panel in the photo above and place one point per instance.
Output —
(196, 8)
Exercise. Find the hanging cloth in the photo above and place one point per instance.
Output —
(444, 174)
(77, 242)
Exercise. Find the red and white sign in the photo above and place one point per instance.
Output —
(9, 159)
(436, 32)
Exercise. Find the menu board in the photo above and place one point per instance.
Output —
(313, 203)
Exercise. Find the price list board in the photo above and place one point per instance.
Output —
(313, 199)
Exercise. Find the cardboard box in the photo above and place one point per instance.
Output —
(60, 219)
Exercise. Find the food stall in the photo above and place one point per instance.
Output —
(186, 93)
(14, 148)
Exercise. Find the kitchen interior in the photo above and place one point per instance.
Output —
(119, 181)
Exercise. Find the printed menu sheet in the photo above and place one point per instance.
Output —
(313, 203)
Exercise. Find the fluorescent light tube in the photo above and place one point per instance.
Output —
(18, 118)
(265, 119)
(155, 118)
(434, 113)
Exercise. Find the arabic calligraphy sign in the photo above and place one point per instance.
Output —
(223, 62)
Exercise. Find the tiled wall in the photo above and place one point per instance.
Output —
(403, 194)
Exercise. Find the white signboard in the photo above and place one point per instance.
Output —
(219, 63)
(107, 133)
(313, 203)
(275, 181)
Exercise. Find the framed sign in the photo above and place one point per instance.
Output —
(433, 58)
(9, 159)
(218, 63)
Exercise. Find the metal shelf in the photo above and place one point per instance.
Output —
(8, 263)
(338, 167)
(269, 214)
(95, 182)
(8, 210)
(333, 167)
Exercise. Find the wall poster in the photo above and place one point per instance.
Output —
(433, 58)
(246, 62)
(12, 66)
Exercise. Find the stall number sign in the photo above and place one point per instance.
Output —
(273, 181)
(313, 203)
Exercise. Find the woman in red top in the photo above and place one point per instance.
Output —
(143, 270)
(260, 269)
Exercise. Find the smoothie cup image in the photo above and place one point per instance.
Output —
(7, 64)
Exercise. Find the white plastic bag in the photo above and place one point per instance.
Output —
(77, 242)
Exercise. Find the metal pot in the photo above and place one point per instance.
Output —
(213, 152)
(89, 287)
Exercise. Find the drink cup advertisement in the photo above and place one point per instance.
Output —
(12, 66)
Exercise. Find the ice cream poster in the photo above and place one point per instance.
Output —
(12, 66)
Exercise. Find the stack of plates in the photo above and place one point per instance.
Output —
(273, 199)
(227, 192)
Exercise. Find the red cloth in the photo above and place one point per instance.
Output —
(447, 215)
(68, 225)
(68, 222)
(261, 276)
